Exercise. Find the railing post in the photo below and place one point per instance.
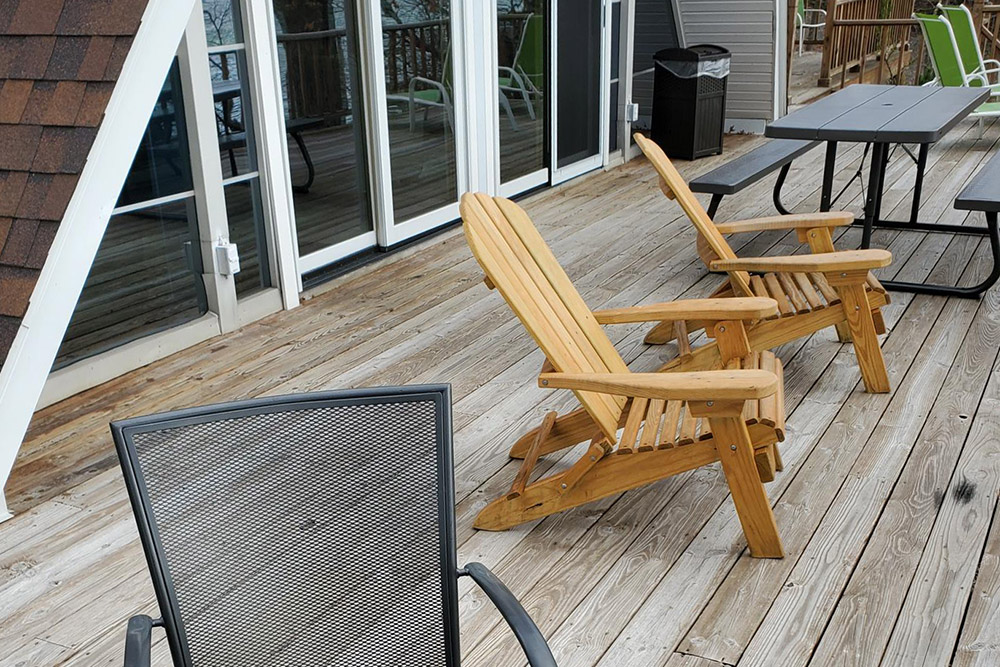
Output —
(824, 68)
(977, 15)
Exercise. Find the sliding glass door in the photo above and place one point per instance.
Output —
(418, 65)
(322, 91)
(522, 82)
(581, 56)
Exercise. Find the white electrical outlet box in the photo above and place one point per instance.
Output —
(632, 112)
(227, 258)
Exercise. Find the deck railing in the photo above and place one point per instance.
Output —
(989, 33)
(862, 33)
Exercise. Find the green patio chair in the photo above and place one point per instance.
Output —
(428, 93)
(800, 20)
(977, 70)
(526, 73)
(944, 54)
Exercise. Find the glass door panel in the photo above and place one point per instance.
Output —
(420, 105)
(579, 105)
(521, 54)
(324, 120)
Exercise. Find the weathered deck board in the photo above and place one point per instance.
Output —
(869, 505)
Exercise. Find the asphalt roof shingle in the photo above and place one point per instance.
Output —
(59, 62)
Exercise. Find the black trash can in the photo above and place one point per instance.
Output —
(689, 100)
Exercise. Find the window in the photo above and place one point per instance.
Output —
(147, 276)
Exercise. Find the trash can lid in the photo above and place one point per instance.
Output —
(697, 53)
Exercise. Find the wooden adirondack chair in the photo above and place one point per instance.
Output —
(826, 288)
(672, 422)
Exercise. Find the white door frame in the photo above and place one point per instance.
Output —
(272, 147)
(596, 161)
(390, 231)
(491, 46)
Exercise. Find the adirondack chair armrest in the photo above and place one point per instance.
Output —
(536, 650)
(744, 308)
(722, 385)
(794, 221)
(830, 262)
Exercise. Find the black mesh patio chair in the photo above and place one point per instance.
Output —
(316, 529)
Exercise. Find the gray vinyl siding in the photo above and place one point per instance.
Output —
(655, 29)
(747, 29)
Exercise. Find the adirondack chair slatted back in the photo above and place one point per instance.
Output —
(943, 50)
(517, 260)
(675, 187)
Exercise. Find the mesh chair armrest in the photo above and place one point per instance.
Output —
(138, 639)
(535, 647)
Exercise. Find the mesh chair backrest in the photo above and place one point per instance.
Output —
(800, 9)
(519, 262)
(963, 28)
(303, 530)
(675, 187)
(942, 49)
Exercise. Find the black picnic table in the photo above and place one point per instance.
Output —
(881, 116)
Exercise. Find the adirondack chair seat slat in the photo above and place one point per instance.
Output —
(800, 293)
(838, 290)
(669, 422)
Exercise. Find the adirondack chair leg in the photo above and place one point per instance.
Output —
(766, 461)
(779, 465)
(660, 334)
(597, 479)
(569, 429)
(858, 312)
(736, 452)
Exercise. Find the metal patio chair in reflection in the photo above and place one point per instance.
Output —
(528, 67)
(430, 94)
(801, 22)
(316, 529)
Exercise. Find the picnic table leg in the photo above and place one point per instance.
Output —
(776, 194)
(965, 292)
(300, 142)
(919, 183)
(873, 202)
(713, 205)
(829, 166)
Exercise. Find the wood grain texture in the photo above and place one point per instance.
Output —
(621, 580)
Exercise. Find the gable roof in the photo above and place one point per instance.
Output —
(59, 62)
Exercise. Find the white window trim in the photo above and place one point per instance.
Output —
(272, 148)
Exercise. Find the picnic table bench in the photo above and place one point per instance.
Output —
(749, 168)
(983, 194)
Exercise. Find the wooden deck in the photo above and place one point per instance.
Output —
(887, 503)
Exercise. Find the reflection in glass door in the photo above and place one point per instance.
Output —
(521, 79)
(580, 63)
(318, 55)
(420, 106)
